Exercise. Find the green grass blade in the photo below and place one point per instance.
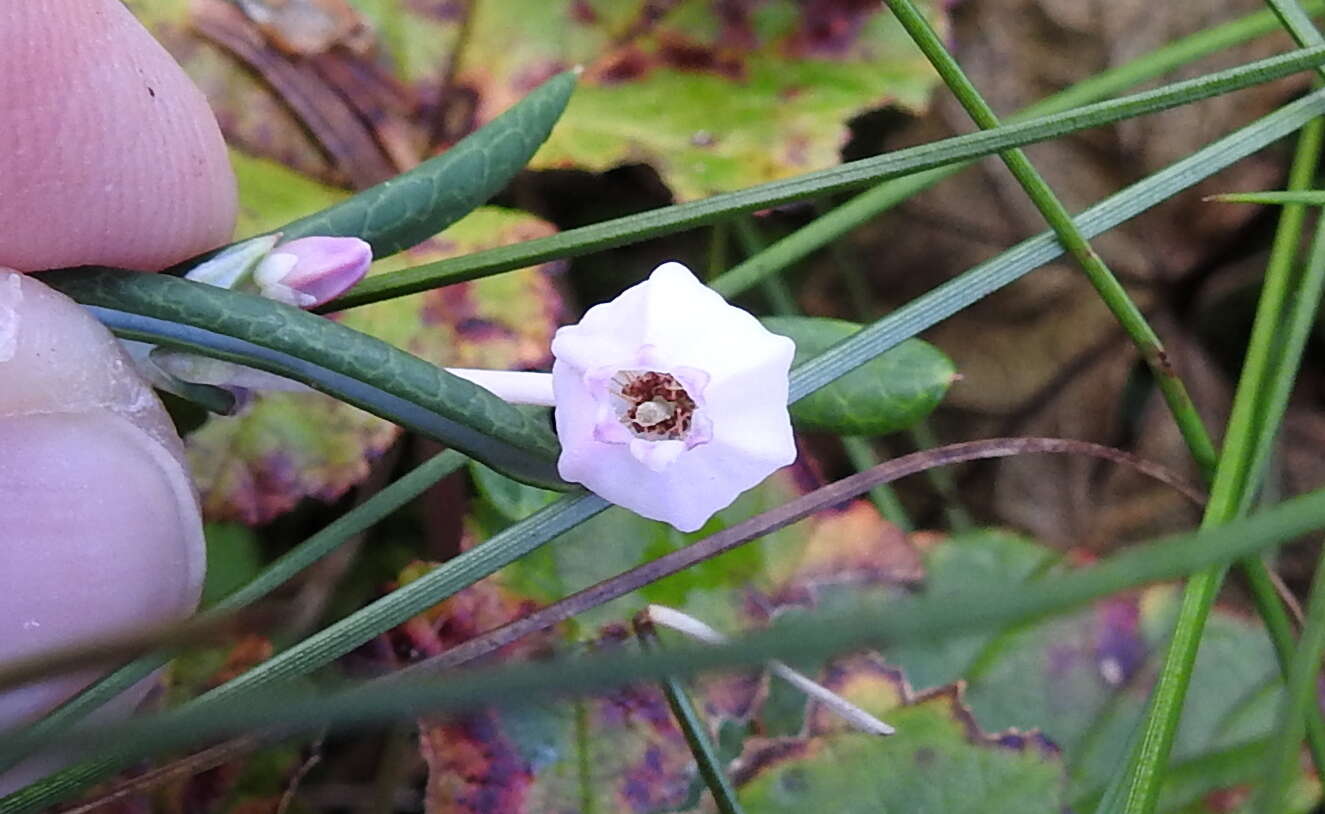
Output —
(1175, 394)
(893, 392)
(1235, 481)
(169, 304)
(1059, 219)
(304, 351)
(832, 225)
(1307, 197)
(634, 228)
(412, 207)
(795, 640)
(1300, 708)
(1301, 704)
(859, 450)
(1220, 768)
(1116, 209)
(1229, 498)
(1294, 17)
(17, 745)
(352, 366)
(1011, 265)
(1147, 342)
(443, 582)
(695, 731)
(1180, 52)
(940, 303)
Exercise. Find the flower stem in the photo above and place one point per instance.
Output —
(514, 386)
(695, 731)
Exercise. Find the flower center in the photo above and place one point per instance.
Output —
(653, 406)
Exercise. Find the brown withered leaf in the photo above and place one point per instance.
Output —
(299, 81)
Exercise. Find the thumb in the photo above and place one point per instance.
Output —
(99, 527)
(111, 154)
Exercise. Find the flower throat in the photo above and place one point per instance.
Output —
(654, 406)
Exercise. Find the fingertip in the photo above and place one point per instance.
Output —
(112, 155)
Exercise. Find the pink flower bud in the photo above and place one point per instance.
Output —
(313, 270)
(670, 401)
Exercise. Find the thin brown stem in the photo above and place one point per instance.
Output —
(188, 766)
(775, 519)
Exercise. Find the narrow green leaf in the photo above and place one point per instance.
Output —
(352, 366)
(513, 500)
(234, 558)
(984, 279)
(1101, 277)
(412, 207)
(882, 197)
(695, 731)
(1283, 761)
(1310, 197)
(892, 392)
(633, 228)
(793, 639)
(1230, 495)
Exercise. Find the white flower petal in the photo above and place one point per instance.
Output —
(610, 430)
(656, 455)
(748, 411)
(738, 430)
(697, 328)
(591, 350)
(576, 418)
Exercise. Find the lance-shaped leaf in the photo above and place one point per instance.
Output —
(893, 392)
(352, 366)
(412, 207)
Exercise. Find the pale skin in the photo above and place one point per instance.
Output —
(110, 156)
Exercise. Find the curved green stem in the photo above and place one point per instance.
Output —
(1230, 495)
(1300, 708)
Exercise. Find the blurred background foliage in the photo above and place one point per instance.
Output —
(681, 99)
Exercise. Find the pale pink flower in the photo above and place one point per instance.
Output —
(305, 272)
(670, 401)
(311, 271)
